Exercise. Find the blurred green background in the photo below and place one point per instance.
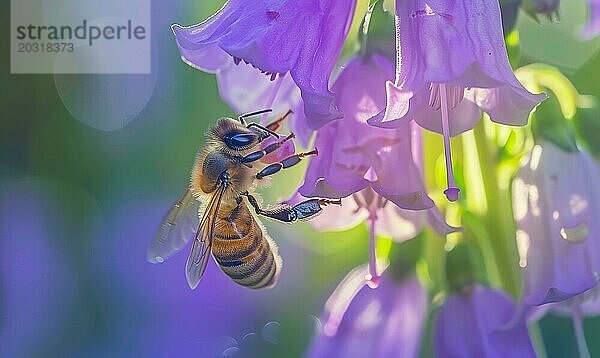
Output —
(79, 206)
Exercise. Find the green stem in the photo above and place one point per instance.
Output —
(435, 256)
(538, 340)
(579, 333)
(500, 227)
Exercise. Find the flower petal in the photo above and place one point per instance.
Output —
(438, 223)
(397, 108)
(503, 106)
(383, 322)
(459, 44)
(461, 118)
(400, 225)
(592, 28)
(323, 178)
(588, 302)
(473, 324)
(286, 150)
(277, 36)
(555, 205)
(246, 90)
(352, 149)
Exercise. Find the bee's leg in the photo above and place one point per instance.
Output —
(254, 156)
(286, 163)
(288, 213)
(310, 207)
(274, 126)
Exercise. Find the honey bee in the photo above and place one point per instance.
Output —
(214, 206)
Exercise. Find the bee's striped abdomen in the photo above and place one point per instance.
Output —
(242, 249)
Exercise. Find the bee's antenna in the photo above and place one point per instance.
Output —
(244, 116)
(264, 129)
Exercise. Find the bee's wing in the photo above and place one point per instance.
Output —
(176, 229)
(201, 248)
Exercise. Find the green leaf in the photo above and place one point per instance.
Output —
(549, 124)
(552, 118)
(378, 32)
(460, 268)
(587, 127)
(476, 232)
(404, 257)
(513, 47)
(539, 77)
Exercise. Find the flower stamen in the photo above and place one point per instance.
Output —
(434, 96)
(272, 75)
(458, 94)
(372, 277)
(452, 190)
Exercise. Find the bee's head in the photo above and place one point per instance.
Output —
(239, 140)
(234, 134)
(237, 136)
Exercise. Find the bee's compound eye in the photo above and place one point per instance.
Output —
(239, 140)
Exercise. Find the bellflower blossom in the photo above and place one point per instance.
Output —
(371, 164)
(555, 204)
(478, 323)
(303, 38)
(451, 65)
(354, 156)
(386, 322)
(588, 304)
(592, 28)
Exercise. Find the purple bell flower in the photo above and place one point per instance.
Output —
(303, 38)
(359, 322)
(592, 28)
(479, 323)
(354, 156)
(365, 162)
(588, 304)
(556, 207)
(451, 65)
